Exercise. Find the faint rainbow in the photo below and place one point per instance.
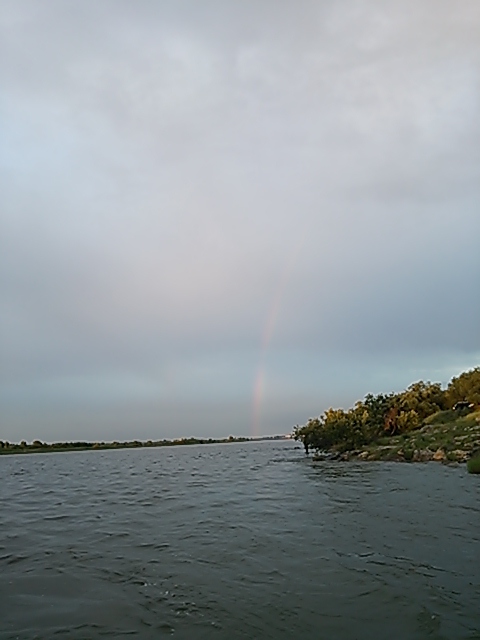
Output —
(267, 334)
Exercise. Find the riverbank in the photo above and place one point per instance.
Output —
(444, 437)
(37, 446)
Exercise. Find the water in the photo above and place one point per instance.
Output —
(236, 541)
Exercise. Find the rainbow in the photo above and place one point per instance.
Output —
(267, 335)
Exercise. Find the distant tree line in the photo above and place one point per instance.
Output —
(37, 446)
(387, 414)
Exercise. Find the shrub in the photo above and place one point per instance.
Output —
(473, 465)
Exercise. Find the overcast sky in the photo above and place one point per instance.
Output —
(222, 217)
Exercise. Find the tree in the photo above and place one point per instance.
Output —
(424, 398)
(464, 388)
(307, 433)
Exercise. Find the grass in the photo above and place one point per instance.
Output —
(456, 435)
(442, 417)
(473, 465)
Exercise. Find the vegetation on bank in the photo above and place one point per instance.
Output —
(42, 447)
(424, 422)
(473, 465)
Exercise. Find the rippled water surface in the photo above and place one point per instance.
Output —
(236, 541)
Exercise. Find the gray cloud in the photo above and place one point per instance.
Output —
(193, 192)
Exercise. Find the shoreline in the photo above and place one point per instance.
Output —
(452, 441)
(23, 448)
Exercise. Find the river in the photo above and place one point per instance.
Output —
(229, 541)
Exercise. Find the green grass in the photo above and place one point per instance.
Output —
(442, 417)
(458, 436)
(473, 465)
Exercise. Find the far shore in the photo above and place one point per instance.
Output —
(37, 446)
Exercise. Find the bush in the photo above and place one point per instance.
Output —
(473, 465)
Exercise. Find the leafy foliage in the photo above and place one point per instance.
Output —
(465, 387)
(386, 414)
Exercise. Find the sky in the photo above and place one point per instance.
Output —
(223, 217)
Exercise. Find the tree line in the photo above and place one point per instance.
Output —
(388, 414)
(37, 446)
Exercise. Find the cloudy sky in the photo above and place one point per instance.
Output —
(222, 217)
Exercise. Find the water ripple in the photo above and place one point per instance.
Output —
(237, 541)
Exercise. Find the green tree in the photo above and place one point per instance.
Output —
(377, 408)
(424, 398)
(464, 388)
(307, 434)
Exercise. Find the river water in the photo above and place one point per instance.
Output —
(233, 541)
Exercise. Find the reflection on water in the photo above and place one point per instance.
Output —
(236, 541)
